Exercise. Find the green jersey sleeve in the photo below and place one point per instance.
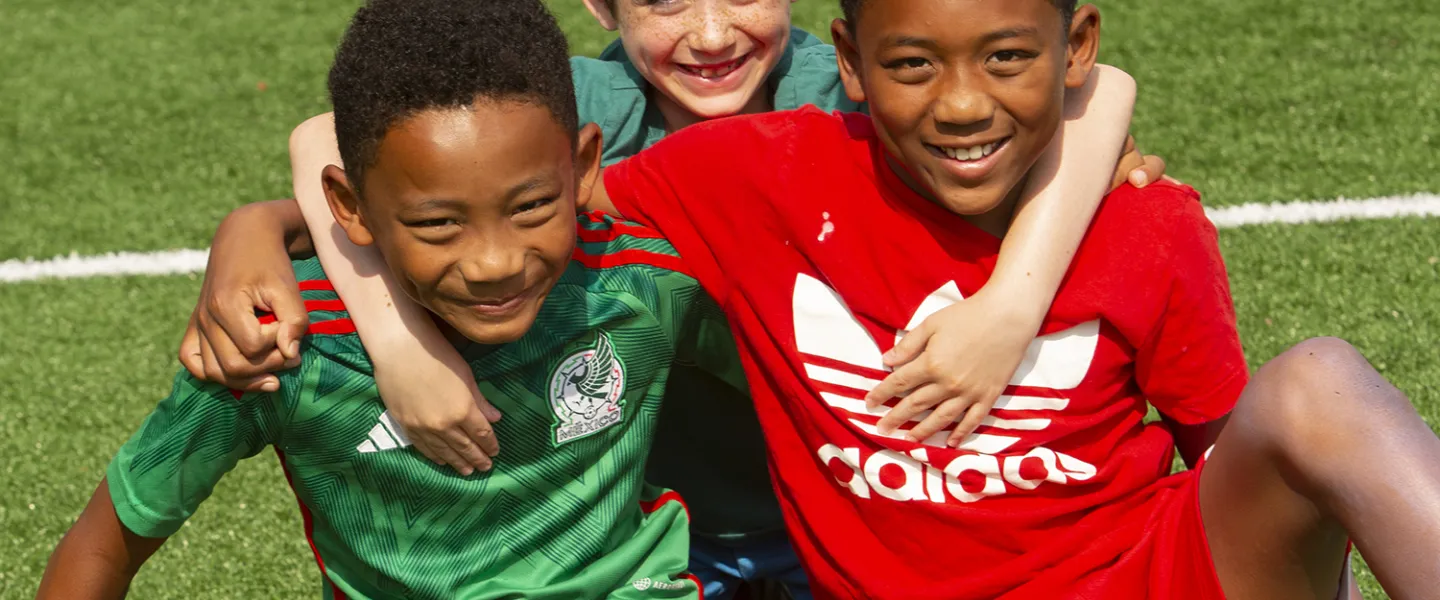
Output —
(170, 465)
(808, 74)
(609, 92)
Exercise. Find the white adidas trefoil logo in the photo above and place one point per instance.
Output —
(385, 435)
(826, 329)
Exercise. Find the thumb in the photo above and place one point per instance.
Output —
(291, 318)
(1151, 171)
(486, 407)
(909, 346)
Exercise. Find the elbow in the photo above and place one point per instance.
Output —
(1115, 87)
(306, 132)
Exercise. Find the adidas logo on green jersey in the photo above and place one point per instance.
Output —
(585, 391)
(385, 435)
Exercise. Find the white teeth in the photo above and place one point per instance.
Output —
(969, 154)
(713, 72)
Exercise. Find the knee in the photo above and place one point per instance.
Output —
(1318, 394)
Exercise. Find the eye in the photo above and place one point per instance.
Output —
(1009, 62)
(907, 63)
(910, 69)
(432, 223)
(533, 205)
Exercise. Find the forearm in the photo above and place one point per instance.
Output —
(98, 557)
(384, 316)
(1064, 190)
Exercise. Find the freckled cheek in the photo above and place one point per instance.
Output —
(654, 42)
(766, 21)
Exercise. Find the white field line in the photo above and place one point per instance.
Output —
(172, 262)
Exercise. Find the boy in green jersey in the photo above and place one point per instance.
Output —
(573, 340)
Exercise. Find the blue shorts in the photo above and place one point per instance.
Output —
(721, 565)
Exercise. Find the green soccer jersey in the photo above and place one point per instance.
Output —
(709, 445)
(565, 512)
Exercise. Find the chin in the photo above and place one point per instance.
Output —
(728, 105)
(496, 333)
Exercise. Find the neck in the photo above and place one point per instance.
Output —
(678, 117)
(995, 221)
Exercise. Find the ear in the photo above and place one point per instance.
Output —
(589, 145)
(345, 205)
(1084, 45)
(848, 57)
(602, 13)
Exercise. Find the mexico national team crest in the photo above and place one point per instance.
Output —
(585, 391)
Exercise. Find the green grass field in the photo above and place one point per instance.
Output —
(137, 124)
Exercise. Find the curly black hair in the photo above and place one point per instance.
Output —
(851, 9)
(400, 57)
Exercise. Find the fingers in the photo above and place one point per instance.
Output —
(912, 406)
(974, 415)
(476, 429)
(909, 346)
(461, 444)
(897, 383)
(448, 456)
(1153, 169)
(423, 444)
(940, 419)
(200, 359)
(487, 409)
(190, 350)
(233, 318)
(235, 366)
(290, 316)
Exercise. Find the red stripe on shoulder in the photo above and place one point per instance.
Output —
(333, 327)
(330, 305)
(617, 229)
(316, 285)
(631, 257)
(310, 306)
(665, 498)
(309, 523)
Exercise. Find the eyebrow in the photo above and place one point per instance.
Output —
(514, 192)
(1013, 32)
(989, 38)
(529, 184)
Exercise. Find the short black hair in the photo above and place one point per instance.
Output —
(400, 57)
(851, 9)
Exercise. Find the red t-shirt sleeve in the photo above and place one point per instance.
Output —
(706, 189)
(1191, 367)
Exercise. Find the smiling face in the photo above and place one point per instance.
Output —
(966, 94)
(473, 209)
(706, 58)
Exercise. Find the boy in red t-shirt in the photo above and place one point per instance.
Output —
(829, 236)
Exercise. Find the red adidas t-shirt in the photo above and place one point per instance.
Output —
(820, 256)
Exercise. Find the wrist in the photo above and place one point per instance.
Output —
(1015, 305)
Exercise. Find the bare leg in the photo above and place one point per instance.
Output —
(1320, 445)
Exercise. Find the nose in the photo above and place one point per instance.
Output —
(491, 261)
(714, 33)
(961, 103)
